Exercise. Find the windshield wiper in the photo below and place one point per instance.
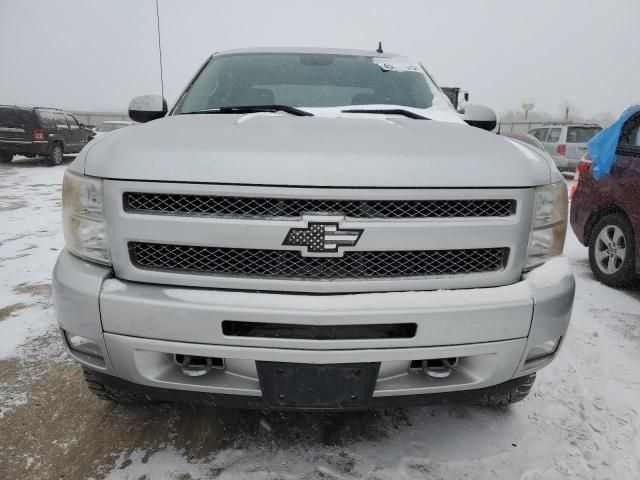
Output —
(388, 111)
(255, 109)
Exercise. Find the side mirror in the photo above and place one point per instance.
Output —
(466, 96)
(147, 107)
(480, 116)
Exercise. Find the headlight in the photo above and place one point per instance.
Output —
(549, 224)
(83, 219)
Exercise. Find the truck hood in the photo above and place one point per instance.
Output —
(360, 150)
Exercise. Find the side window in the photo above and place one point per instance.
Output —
(47, 120)
(61, 123)
(554, 135)
(630, 135)
(73, 123)
(541, 134)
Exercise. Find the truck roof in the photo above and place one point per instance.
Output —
(312, 50)
(24, 107)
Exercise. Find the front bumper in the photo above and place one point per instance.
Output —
(140, 327)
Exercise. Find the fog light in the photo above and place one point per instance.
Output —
(84, 345)
(544, 349)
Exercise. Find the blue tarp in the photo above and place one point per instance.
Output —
(602, 147)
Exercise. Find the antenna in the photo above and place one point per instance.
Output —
(379, 50)
(160, 49)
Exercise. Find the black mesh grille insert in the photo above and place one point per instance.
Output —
(212, 206)
(291, 264)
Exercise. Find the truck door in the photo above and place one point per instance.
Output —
(625, 172)
(76, 133)
(64, 131)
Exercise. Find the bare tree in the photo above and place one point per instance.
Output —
(603, 119)
(569, 112)
(518, 116)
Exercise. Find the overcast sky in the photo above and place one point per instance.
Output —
(97, 55)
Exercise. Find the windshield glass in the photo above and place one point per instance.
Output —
(109, 127)
(307, 80)
(581, 134)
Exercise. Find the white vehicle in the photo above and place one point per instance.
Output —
(106, 127)
(566, 144)
(312, 229)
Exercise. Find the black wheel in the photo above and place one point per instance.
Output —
(100, 388)
(506, 393)
(6, 157)
(611, 250)
(56, 156)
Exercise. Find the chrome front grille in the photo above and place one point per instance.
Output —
(290, 264)
(234, 236)
(235, 206)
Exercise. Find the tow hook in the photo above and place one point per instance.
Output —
(439, 368)
(191, 369)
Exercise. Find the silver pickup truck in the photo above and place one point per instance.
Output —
(312, 229)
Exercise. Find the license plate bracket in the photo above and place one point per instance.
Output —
(317, 387)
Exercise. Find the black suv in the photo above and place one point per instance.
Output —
(38, 131)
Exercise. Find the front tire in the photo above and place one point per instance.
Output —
(507, 393)
(56, 156)
(101, 389)
(6, 157)
(612, 250)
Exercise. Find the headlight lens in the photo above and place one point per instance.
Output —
(83, 219)
(549, 224)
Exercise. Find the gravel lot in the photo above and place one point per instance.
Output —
(582, 420)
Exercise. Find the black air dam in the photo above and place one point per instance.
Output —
(318, 332)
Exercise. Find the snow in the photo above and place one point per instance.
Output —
(581, 421)
(30, 239)
(155, 466)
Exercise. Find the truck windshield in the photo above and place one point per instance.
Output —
(307, 80)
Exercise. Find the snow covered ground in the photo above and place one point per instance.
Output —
(582, 420)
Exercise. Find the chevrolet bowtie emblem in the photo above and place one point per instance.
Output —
(320, 237)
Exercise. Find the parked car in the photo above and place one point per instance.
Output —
(39, 131)
(106, 127)
(605, 213)
(526, 138)
(565, 143)
(312, 229)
